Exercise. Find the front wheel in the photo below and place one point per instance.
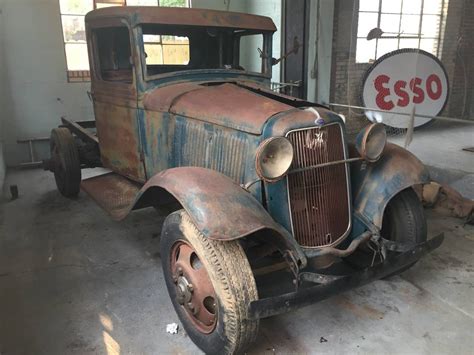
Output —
(403, 221)
(210, 284)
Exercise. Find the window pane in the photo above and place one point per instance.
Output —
(76, 7)
(142, 2)
(429, 44)
(173, 3)
(409, 43)
(154, 54)
(100, 5)
(249, 57)
(367, 21)
(176, 54)
(114, 54)
(430, 26)
(175, 40)
(432, 7)
(392, 6)
(76, 55)
(368, 5)
(386, 45)
(170, 51)
(365, 52)
(74, 29)
(412, 7)
(151, 38)
(410, 24)
(390, 23)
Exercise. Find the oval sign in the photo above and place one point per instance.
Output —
(401, 80)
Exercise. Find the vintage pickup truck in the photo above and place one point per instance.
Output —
(270, 207)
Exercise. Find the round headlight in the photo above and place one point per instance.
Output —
(274, 158)
(371, 141)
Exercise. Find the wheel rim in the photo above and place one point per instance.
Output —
(194, 290)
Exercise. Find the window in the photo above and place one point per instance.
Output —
(249, 54)
(72, 17)
(114, 52)
(395, 24)
(173, 48)
(166, 49)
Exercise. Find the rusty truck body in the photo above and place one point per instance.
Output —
(256, 183)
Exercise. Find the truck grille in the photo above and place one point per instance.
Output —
(319, 200)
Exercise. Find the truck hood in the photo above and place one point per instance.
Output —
(246, 107)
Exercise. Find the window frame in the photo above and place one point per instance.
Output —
(266, 64)
(419, 35)
(96, 63)
(79, 76)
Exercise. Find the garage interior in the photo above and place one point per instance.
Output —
(73, 281)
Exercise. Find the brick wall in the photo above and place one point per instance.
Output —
(457, 54)
(457, 51)
(346, 73)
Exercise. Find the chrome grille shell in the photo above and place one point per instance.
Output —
(319, 199)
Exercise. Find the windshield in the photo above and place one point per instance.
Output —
(169, 49)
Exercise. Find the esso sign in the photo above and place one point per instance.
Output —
(402, 79)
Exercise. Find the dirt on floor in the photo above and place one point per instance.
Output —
(72, 281)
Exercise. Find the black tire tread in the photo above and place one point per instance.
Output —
(407, 224)
(233, 280)
(406, 207)
(69, 155)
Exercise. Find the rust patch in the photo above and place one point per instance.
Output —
(361, 311)
(119, 145)
(396, 170)
(319, 198)
(183, 16)
(298, 118)
(161, 99)
(232, 106)
(218, 207)
(112, 192)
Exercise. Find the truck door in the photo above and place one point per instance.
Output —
(114, 93)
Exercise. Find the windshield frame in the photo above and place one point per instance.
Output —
(266, 59)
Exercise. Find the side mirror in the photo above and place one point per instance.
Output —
(294, 50)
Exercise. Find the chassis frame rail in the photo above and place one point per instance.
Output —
(272, 306)
(79, 128)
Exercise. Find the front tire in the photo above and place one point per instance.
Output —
(403, 221)
(210, 284)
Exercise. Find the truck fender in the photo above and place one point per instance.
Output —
(375, 184)
(220, 208)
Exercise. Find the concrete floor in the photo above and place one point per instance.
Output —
(447, 152)
(73, 281)
(447, 161)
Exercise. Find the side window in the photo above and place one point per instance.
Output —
(114, 54)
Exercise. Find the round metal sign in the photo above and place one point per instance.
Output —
(402, 81)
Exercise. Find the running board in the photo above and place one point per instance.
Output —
(114, 193)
